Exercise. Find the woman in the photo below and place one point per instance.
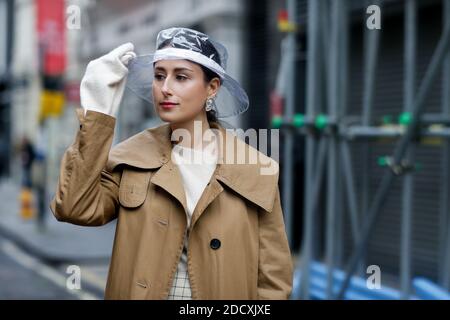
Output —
(203, 229)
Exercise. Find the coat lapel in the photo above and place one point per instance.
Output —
(168, 177)
(151, 149)
(210, 193)
(247, 178)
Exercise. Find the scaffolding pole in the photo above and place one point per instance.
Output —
(371, 50)
(328, 138)
(288, 166)
(333, 55)
(444, 265)
(408, 182)
(343, 100)
(400, 151)
(313, 31)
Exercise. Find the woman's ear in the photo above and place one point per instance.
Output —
(213, 87)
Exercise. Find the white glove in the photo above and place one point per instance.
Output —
(103, 83)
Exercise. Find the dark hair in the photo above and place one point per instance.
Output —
(207, 49)
(208, 76)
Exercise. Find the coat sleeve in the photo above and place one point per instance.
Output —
(275, 270)
(86, 192)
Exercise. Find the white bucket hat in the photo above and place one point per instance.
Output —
(183, 43)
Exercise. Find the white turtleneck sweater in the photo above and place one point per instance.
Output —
(196, 168)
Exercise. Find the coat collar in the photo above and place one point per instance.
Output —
(151, 149)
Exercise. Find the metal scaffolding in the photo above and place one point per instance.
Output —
(329, 132)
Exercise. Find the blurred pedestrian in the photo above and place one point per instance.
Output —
(39, 175)
(27, 155)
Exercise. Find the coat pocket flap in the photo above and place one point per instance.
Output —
(133, 188)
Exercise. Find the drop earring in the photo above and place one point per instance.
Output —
(209, 104)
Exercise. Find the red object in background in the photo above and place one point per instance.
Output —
(276, 104)
(72, 92)
(51, 34)
(283, 15)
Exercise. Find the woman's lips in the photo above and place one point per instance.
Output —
(167, 105)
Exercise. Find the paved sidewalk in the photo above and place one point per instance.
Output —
(59, 242)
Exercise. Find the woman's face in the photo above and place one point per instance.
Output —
(182, 83)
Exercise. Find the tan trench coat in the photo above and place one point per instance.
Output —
(237, 242)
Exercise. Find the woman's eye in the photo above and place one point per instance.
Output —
(158, 76)
(182, 78)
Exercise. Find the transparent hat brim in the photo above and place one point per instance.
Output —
(140, 77)
(231, 99)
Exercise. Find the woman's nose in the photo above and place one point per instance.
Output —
(166, 87)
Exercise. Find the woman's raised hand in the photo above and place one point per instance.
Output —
(103, 83)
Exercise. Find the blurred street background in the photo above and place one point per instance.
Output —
(359, 91)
